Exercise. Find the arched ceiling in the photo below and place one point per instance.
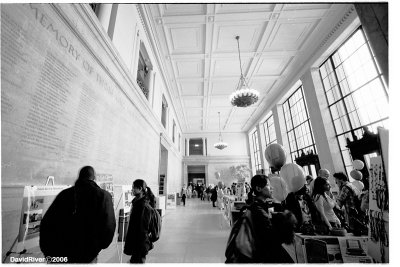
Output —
(198, 49)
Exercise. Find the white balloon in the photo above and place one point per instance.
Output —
(297, 183)
(290, 171)
(279, 188)
(359, 185)
(358, 164)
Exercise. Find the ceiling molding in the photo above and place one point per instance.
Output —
(197, 45)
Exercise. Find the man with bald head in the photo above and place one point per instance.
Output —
(324, 173)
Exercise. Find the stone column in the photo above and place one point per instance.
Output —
(152, 87)
(374, 20)
(204, 146)
(185, 174)
(280, 128)
(187, 146)
(261, 145)
(322, 126)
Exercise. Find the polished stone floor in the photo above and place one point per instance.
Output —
(195, 233)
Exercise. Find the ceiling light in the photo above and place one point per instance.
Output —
(196, 145)
(243, 96)
(220, 144)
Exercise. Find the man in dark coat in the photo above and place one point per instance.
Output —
(80, 222)
(214, 195)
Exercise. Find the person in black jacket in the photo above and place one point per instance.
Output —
(214, 195)
(303, 207)
(80, 222)
(137, 242)
(270, 231)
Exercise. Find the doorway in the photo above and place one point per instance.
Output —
(196, 174)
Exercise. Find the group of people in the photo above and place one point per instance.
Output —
(81, 221)
(201, 191)
(311, 210)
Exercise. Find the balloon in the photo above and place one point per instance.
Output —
(359, 185)
(356, 175)
(297, 183)
(279, 188)
(358, 164)
(290, 171)
(275, 155)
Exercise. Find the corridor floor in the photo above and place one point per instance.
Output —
(195, 233)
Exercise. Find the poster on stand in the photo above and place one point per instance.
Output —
(36, 200)
(171, 201)
(127, 197)
(106, 182)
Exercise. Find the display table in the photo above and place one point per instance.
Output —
(329, 249)
(231, 208)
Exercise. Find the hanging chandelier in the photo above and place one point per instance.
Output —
(243, 96)
(220, 144)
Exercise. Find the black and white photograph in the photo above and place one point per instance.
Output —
(199, 132)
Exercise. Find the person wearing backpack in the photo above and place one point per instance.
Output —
(266, 231)
(80, 222)
(269, 231)
(138, 239)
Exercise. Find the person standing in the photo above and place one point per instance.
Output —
(214, 195)
(189, 190)
(137, 242)
(323, 173)
(269, 233)
(80, 222)
(325, 204)
(302, 206)
(184, 193)
(347, 198)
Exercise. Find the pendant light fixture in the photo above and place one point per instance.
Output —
(220, 144)
(243, 96)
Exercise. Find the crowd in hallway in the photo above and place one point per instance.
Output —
(86, 211)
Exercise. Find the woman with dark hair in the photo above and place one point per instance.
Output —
(324, 203)
(137, 242)
(269, 233)
(303, 207)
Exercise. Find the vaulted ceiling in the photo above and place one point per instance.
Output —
(198, 49)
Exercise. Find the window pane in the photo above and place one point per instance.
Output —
(299, 132)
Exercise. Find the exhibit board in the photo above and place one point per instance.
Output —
(65, 102)
(127, 197)
(36, 201)
(106, 182)
(171, 201)
(378, 230)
